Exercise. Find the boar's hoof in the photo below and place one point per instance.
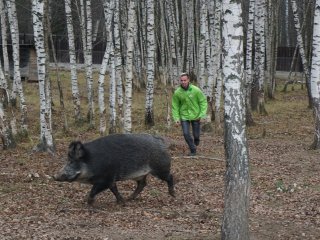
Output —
(121, 202)
(172, 193)
(90, 200)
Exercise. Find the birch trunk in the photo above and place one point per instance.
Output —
(315, 73)
(6, 129)
(17, 84)
(248, 66)
(112, 95)
(202, 45)
(216, 48)
(235, 223)
(149, 117)
(190, 39)
(88, 62)
(273, 43)
(46, 139)
(129, 66)
(301, 48)
(258, 102)
(4, 40)
(61, 96)
(73, 63)
(210, 60)
(108, 14)
(140, 42)
(118, 64)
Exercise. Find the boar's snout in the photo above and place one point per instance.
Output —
(66, 175)
(59, 177)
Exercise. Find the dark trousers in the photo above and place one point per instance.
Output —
(193, 140)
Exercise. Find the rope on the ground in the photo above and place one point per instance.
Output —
(198, 157)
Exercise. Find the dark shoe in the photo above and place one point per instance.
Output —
(192, 154)
(197, 142)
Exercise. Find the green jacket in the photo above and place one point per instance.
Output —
(190, 104)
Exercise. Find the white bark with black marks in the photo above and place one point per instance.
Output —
(315, 73)
(46, 138)
(235, 223)
(73, 62)
(129, 68)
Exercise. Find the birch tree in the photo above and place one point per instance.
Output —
(129, 74)
(73, 63)
(315, 73)
(216, 58)
(301, 48)
(258, 102)
(202, 45)
(86, 29)
(118, 63)
(190, 38)
(235, 223)
(6, 134)
(248, 65)
(108, 7)
(46, 139)
(271, 45)
(149, 115)
(7, 119)
(112, 95)
(4, 40)
(85, 19)
(17, 84)
(48, 21)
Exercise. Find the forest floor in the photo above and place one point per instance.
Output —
(284, 198)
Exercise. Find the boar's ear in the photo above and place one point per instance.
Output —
(76, 150)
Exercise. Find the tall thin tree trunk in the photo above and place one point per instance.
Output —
(17, 84)
(129, 73)
(46, 138)
(88, 62)
(202, 44)
(149, 115)
(301, 49)
(118, 63)
(57, 70)
(112, 95)
(248, 65)
(4, 40)
(315, 73)
(73, 63)
(235, 223)
(258, 101)
(108, 14)
(7, 131)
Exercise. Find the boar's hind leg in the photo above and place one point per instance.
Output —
(99, 187)
(141, 183)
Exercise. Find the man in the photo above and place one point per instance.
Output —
(189, 107)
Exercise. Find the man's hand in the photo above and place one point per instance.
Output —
(177, 123)
(202, 120)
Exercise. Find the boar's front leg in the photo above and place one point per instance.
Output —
(101, 186)
(115, 191)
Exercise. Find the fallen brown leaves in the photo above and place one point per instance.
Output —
(284, 202)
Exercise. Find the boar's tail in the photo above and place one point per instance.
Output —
(160, 140)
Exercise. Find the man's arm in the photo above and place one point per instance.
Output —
(175, 108)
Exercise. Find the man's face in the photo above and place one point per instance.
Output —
(184, 80)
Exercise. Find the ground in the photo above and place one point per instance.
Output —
(284, 198)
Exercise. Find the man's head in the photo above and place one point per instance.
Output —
(184, 80)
